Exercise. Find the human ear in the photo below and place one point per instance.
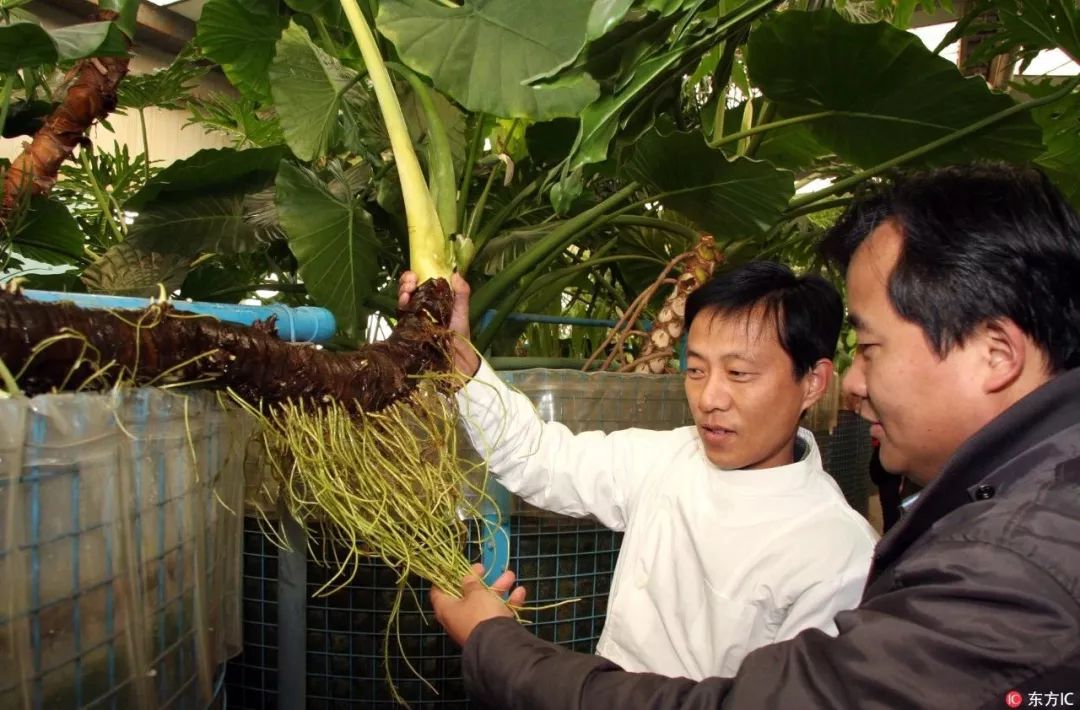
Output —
(816, 382)
(1004, 353)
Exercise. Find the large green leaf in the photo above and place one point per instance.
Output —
(486, 53)
(600, 120)
(219, 280)
(212, 168)
(310, 89)
(605, 15)
(49, 234)
(667, 7)
(728, 199)
(128, 270)
(244, 120)
(333, 240)
(90, 39)
(26, 44)
(1060, 122)
(1043, 23)
(904, 96)
(127, 12)
(167, 87)
(1025, 28)
(329, 11)
(68, 281)
(194, 223)
(240, 36)
(612, 58)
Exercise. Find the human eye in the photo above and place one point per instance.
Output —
(739, 375)
(694, 372)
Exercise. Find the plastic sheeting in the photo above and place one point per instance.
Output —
(119, 548)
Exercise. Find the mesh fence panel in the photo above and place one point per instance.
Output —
(118, 555)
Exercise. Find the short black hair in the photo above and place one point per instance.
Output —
(807, 309)
(980, 241)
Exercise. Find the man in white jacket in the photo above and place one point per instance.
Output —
(735, 536)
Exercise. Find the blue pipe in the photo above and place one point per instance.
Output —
(301, 324)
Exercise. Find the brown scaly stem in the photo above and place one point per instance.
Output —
(53, 346)
(90, 98)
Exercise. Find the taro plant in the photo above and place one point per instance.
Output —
(571, 150)
(559, 153)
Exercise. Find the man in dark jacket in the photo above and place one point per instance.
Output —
(964, 289)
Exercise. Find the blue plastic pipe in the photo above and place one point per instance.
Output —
(305, 324)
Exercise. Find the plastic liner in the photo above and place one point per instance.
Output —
(119, 548)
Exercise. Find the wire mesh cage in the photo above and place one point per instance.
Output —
(845, 452)
(341, 636)
(119, 549)
(345, 659)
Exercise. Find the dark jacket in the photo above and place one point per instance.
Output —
(974, 594)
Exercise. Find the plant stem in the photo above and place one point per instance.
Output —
(761, 128)
(721, 78)
(590, 263)
(5, 96)
(324, 35)
(808, 117)
(440, 158)
(145, 146)
(8, 380)
(495, 223)
(817, 207)
(768, 110)
(613, 293)
(478, 208)
(847, 183)
(528, 288)
(639, 221)
(750, 11)
(542, 250)
(466, 170)
(428, 253)
(103, 202)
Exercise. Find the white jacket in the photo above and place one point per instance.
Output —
(714, 563)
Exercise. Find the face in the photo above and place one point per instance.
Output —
(921, 407)
(742, 391)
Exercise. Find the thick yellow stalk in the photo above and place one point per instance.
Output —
(428, 253)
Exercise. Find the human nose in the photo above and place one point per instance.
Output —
(715, 395)
(854, 384)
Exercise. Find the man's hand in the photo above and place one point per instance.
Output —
(465, 358)
(477, 604)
